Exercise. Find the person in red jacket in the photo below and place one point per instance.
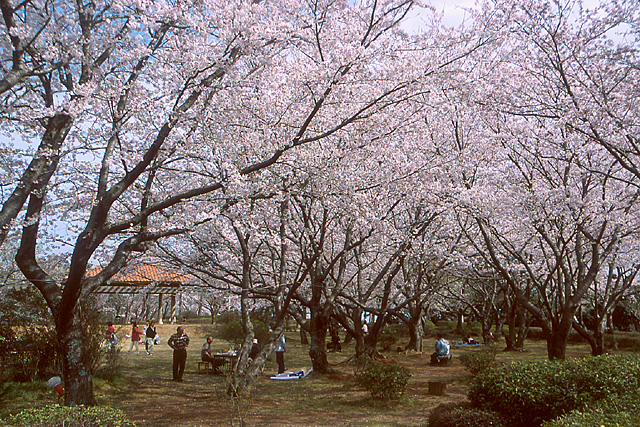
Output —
(135, 337)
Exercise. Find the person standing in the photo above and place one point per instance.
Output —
(150, 335)
(144, 334)
(281, 347)
(135, 337)
(179, 343)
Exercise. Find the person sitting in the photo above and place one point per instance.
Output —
(255, 349)
(442, 355)
(206, 356)
(469, 340)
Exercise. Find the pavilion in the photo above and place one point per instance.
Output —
(148, 279)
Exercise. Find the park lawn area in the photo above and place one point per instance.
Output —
(149, 397)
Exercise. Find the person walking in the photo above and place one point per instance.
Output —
(111, 339)
(135, 337)
(179, 343)
(150, 335)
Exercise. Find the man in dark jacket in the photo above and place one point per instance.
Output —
(179, 343)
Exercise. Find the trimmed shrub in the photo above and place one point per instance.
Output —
(64, 416)
(533, 392)
(480, 361)
(384, 381)
(360, 364)
(607, 412)
(464, 415)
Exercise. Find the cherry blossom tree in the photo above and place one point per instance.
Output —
(146, 108)
(616, 283)
(550, 206)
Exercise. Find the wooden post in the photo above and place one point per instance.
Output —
(159, 309)
(437, 388)
(173, 309)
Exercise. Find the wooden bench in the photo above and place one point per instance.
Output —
(207, 367)
(441, 360)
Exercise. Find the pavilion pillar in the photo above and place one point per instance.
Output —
(173, 309)
(159, 309)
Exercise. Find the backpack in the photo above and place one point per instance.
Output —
(442, 347)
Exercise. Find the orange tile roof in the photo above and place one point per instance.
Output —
(143, 273)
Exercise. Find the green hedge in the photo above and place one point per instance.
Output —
(533, 392)
(384, 381)
(480, 361)
(64, 416)
(623, 412)
(463, 415)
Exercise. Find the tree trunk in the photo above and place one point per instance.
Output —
(304, 339)
(318, 326)
(595, 338)
(460, 315)
(523, 329)
(416, 334)
(77, 362)
(557, 339)
(371, 344)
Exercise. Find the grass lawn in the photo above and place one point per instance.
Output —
(149, 397)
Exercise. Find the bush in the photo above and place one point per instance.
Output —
(384, 381)
(608, 412)
(28, 346)
(64, 416)
(227, 317)
(533, 392)
(112, 366)
(478, 362)
(464, 415)
(232, 331)
(360, 363)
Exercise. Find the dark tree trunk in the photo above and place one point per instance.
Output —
(557, 340)
(304, 339)
(595, 338)
(77, 362)
(523, 330)
(518, 328)
(416, 333)
(460, 316)
(348, 336)
(318, 327)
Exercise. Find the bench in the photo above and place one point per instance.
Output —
(207, 367)
(441, 360)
